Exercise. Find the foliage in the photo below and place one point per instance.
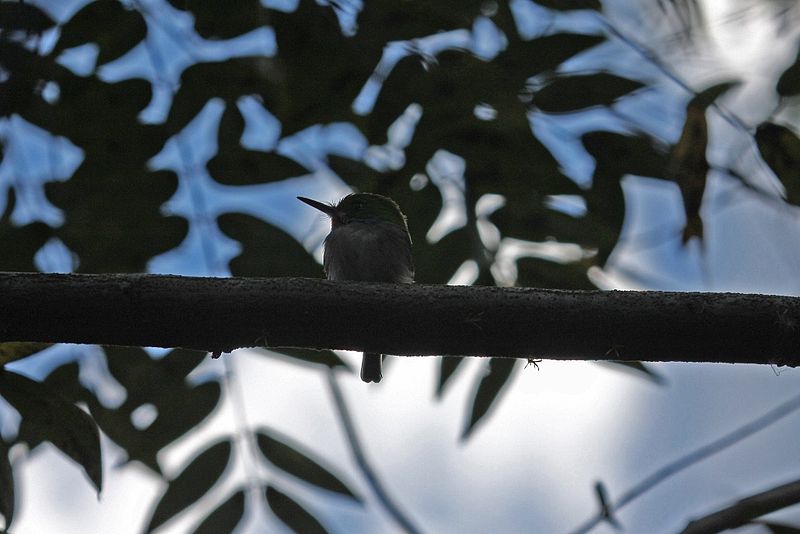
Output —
(479, 106)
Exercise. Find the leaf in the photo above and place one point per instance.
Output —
(25, 17)
(317, 357)
(160, 383)
(224, 20)
(566, 94)
(789, 82)
(636, 368)
(235, 165)
(491, 385)
(620, 154)
(707, 96)
(192, 483)
(292, 514)
(689, 167)
(47, 416)
(229, 80)
(528, 58)
(7, 499)
(20, 243)
(780, 148)
(569, 5)
(267, 250)
(225, 517)
(16, 350)
(447, 367)
(289, 456)
(108, 23)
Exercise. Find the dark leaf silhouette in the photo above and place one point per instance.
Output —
(570, 93)
(780, 148)
(7, 499)
(17, 350)
(616, 155)
(47, 416)
(160, 383)
(639, 369)
(225, 517)
(490, 386)
(289, 456)
(568, 5)
(267, 250)
(192, 483)
(24, 17)
(322, 70)
(292, 514)
(229, 80)
(709, 95)
(789, 82)
(688, 167)
(107, 23)
(22, 242)
(224, 20)
(447, 367)
(235, 165)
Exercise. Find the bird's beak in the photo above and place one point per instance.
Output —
(324, 208)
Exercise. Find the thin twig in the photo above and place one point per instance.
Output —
(660, 475)
(243, 430)
(361, 460)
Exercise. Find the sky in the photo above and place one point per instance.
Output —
(557, 430)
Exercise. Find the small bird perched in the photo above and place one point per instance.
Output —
(368, 242)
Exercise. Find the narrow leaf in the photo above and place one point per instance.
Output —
(780, 148)
(6, 485)
(789, 82)
(289, 456)
(17, 350)
(25, 17)
(689, 167)
(47, 416)
(192, 483)
(293, 515)
(636, 368)
(489, 389)
(225, 517)
(569, 5)
(576, 92)
(447, 367)
(707, 96)
(114, 28)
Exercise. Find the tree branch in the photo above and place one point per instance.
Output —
(221, 314)
(686, 461)
(744, 511)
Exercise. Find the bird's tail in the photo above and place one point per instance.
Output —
(371, 367)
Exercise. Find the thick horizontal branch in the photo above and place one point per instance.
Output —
(220, 314)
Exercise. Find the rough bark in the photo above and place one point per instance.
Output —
(221, 314)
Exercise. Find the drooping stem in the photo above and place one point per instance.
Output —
(361, 460)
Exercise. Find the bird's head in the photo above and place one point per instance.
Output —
(360, 207)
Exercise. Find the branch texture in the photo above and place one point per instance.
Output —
(746, 510)
(222, 314)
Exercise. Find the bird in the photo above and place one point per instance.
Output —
(369, 242)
